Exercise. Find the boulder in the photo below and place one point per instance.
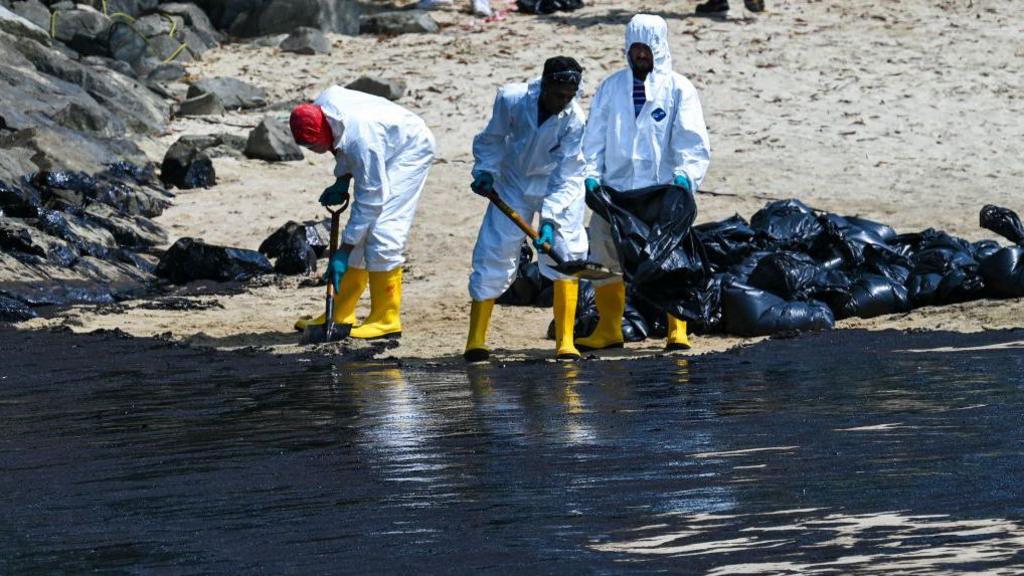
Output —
(106, 62)
(16, 236)
(131, 106)
(195, 19)
(203, 104)
(232, 93)
(192, 259)
(261, 17)
(306, 41)
(62, 149)
(84, 30)
(83, 118)
(187, 166)
(133, 8)
(169, 72)
(272, 141)
(16, 25)
(34, 11)
(13, 311)
(399, 22)
(19, 201)
(14, 163)
(390, 89)
(215, 145)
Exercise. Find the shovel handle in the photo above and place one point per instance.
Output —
(333, 247)
(524, 226)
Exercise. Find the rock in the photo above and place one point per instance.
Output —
(233, 93)
(261, 17)
(84, 119)
(133, 8)
(196, 19)
(16, 25)
(13, 311)
(186, 166)
(306, 41)
(215, 145)
(84, 30)
(113, 64)
(169, 72)
(34, 11)
(134, 232)
(268, 41)
(390, 89)
(14, 163)
(17, 237)
(62, 149)
(125, 44)
(132, 107)
(204, 104)
(272, 141)
(89, 240)
(19, 202)
(192, 259)
(399, 22)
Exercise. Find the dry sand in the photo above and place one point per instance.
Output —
(906, 112)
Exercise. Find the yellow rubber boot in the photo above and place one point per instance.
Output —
(611, 305)
(677, 338)
(476, 342)
(352, 285)
(385, 301)
(566, 292)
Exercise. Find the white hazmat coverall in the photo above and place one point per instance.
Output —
(388, 151)
(535, 169)
(667, 139)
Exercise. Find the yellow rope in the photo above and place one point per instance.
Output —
(53, 24)
(175, 54)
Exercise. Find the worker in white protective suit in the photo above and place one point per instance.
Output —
(646, 128)
(530, 155)
(386, 151)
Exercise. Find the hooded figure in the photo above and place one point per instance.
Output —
(646, 128)
(386, 151)
(530, 155)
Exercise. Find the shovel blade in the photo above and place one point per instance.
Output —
(326, 332)
(585, 270)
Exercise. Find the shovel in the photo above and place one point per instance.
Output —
(584, 269)
(329, 331)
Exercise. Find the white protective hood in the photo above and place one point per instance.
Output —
(651, 31)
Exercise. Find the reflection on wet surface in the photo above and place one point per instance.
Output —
(831, 454)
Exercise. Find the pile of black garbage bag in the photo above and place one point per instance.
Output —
(790, 268)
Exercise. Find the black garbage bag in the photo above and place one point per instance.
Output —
(852, 241)
(869, 295)
(749, 311)
(662, 260)
(944, 275)
(1004, 222)
(548, 6)
(787, 225)
(528, 289)
(726, 242)
(1004, 272)
(982, 249)
(746, 267)
(786, 274)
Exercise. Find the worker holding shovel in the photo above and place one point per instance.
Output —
(386, 152)
(529, 160)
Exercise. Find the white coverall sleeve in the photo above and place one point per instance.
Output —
(565, 185)
(594, 135)
(489, 145)
(366, 160)
(691, 149)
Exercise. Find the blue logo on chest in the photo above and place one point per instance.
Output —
(658, 114)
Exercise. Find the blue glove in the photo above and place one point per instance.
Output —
(683, 181)
(546, 236)
(591, 184)
(483, 183)
(336, 193)
(336, 268)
